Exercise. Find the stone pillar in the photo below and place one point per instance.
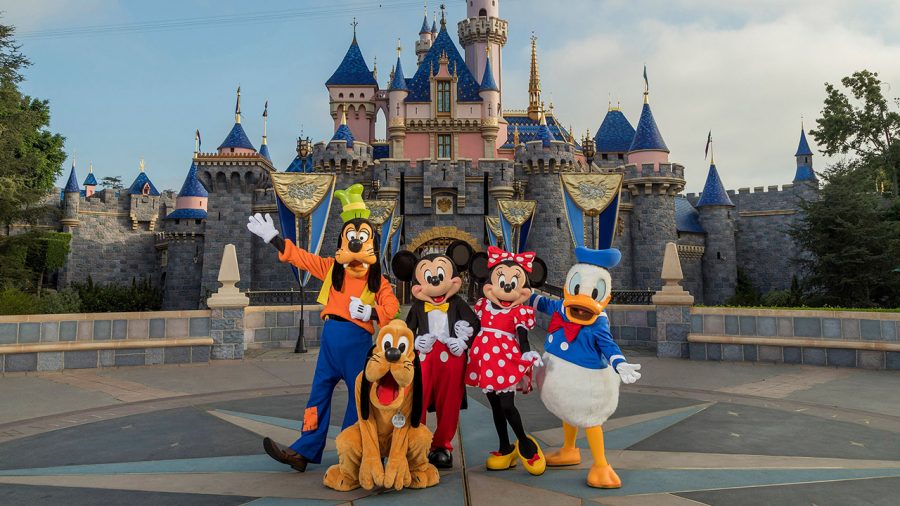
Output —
(673, 309)
(227, 305)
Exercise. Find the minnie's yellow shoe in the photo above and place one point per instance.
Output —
(537, 464)
(500, 461)
(564, 457)
(603, 476)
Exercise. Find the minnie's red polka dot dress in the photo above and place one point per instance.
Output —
(495, 359)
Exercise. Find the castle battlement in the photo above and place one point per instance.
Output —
(649, 170)
(336, 156)
(535, 157)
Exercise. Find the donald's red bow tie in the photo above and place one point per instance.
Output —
(570, 329)
(497, 255)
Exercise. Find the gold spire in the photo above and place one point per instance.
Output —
(237, 106)
(343, 116)
(265, 120)
(399, 49)
(91, 167)
(516, 135)
(142, 165)
(535, 109)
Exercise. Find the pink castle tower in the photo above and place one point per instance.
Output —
(352, 89)
(483, 34)
(648, 146)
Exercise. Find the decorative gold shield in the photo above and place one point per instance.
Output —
(301, 193)
(592, 193)
(517, 212)
(380, 210)
(493, 224)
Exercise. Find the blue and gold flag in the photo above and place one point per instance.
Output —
(595, 196)
(308, 197)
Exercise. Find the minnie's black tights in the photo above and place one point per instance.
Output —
(503, 408)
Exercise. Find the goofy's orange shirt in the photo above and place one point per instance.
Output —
(386, 304)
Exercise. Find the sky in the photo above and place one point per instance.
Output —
(746, 69)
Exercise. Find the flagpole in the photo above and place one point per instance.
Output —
(300, 347)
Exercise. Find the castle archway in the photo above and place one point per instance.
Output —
(437, 239)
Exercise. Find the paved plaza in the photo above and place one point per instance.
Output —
(689, 433)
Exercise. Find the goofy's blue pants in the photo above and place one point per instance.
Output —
(342, 356)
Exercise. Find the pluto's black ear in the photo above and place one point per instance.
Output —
(538, 273)
(416, 416)
(364, 389)
(404, 265)
(478, 267)
(461, 254)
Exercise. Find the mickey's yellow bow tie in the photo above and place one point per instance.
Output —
(429, 307)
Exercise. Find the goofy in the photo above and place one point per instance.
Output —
(353, 295)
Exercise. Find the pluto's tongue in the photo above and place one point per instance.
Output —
(387, 389)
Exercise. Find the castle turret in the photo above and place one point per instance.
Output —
(71, 199)
(647, 146)
(426, 39)
(192, 200)
(264, 147)
(144, 201)
(352, 88)
(482, 35)
(90, 182)
(805, 172)
(613, 139)
(490, 112)
(398, 91)
(720, 255)
(237, 140)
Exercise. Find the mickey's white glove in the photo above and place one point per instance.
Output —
(457, 346)
(463, 330)
(263, 226)
(360, 311)
(533, 357)
(629, 372)
(424, 343)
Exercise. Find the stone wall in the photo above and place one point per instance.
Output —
(90, 340)
(278, 326)
(840, 338)
(630, 325)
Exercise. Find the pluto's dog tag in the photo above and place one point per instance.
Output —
(398, 420)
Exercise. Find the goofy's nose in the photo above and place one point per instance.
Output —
(355, 245)
(392, 354)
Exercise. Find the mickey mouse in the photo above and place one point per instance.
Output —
(443, 323)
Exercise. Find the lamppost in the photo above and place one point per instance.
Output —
(303, 150)
(587, 147)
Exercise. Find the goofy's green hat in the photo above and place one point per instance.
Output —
(352, 201)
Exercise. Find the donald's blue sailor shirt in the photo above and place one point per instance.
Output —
(593, 348)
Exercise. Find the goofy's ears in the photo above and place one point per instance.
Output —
(478, 267)
(364, 388)
(538, 274)
(460, 253)
(404, 265)
(416, 415)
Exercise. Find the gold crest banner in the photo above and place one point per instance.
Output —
(395, 224)
(493, 224)
(592, 193)
(517, 212)
(380, 210)
(302, 193)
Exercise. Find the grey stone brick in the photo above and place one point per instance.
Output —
(628, 333)
(808, 327)
(697, 351)
(222, 352)
(29, 332)
(21, 362)
(792, 355)
(713, 351)
(732, 352)
(770, 353)
(68, 331)
(636, 318)
(233, 313)
(785, 327)
(222, 324)
(696, 324)
(765, 326)
(50, 361)
(891, 361)
(261, 335)
(643, 334)
(870, 359)
(831, 328)
(285, 319)
(672, 350)
(841, 357)
(732, 328)
(279, 334)
(50, 332)
(130, 357)
(850, 328)
(81, 359)
(677, 332)
(120, 329)
(888, 331)
(102, 330)
(9, 333)
(199, 327)
(750, 352)
(233, 336)
(154, 356)
(870, 329)
(714, 325)
(651, 319)
(157, 328)
(814, 356)
(199, 354)
(271, 318)
(178, 355)
(107, 358)
(748, 325)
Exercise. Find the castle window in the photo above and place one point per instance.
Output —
(362, 95)
(482, 12)
(146, 189)
(443, 147)
(621, 156)
(604, 156)
(340, 95)
(351, 95)
(443, 96)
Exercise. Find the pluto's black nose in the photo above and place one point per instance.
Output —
(392, 354)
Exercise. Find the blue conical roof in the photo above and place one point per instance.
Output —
(187, 214)
(192, 186)
(687, 218)
(544, 135)
(646, 135)
(425, 28)
(399, 81)
(237, 138)
(343, 133)
(137, 186)
(487, 80)
(72, 183)
(805, 173)
(297, 165)
(434, 27)
(90, 180)
(714, 193)
(420, 84)
(264, 152)
(352, 70)
(615, 133)
(803, 147)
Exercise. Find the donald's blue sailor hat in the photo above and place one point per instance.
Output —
(606, 258)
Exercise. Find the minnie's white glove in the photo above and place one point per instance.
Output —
(424, 343)
(629, 372)
(360, 311)
(533, 357)
(263, 226)
(463, 330)
(457, 346)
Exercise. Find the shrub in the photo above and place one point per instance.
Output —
(777, 298)
(65, 301)
(13, 301)
(139, 296)
(745, 294)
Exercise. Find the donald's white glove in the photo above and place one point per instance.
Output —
(533, 357)
(463, 330)
(424, 343)
(263, 226)
(360, 311)
(629, 372)
(457, 346)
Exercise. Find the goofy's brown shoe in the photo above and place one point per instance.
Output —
(285, 455)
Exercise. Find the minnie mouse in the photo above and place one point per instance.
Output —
(501, 360)
(442, 322)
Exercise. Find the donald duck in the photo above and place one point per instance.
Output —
(582, 363)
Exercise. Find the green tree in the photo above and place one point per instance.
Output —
(31, 156)
(112, 182)
(852, 235)
(865, 126)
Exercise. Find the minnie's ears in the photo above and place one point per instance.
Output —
(538, 273)
(404, 265)
(461, 254)
(479, 266)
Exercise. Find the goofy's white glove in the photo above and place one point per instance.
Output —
(456, 346)
(629, 372)
(360, 311)
(463, 330)
(424, 343)
(263, 226)
(533, 357)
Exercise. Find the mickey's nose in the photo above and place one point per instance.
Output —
(435, 281)
(392, 354)
(355, 245)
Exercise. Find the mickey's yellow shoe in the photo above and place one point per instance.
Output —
(537, 464)
(501, 462)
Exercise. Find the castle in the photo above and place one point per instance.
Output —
(452, 150)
